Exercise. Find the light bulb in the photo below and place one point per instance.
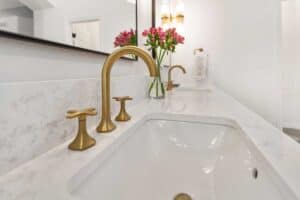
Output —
(179, 12)
(131, 1)
(165, 13)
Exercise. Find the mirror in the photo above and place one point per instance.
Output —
(90, 25)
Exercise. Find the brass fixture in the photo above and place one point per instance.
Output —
(182, 196)
(106, 125)
(171, 13)
(167, 19)
(179, 18)
(170, 84)
(123, 116)
(199, 50)
(83, 140)
(255, 173)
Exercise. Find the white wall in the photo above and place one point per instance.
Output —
(114, 16)
(290, 63)
(18, 20)
(9, 23)
(20, 11)
(241, 37)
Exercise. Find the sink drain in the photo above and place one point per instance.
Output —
(182, 196)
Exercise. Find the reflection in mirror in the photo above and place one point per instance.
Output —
(86, 34)
(90, 25)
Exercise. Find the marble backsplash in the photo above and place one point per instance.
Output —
(32, 117)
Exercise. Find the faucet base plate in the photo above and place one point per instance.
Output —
(106, 126)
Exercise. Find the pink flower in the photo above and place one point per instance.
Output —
(180, 39)
(175, 36)
(165, 40)
(145, 33)
(153, 31)
(125, 38)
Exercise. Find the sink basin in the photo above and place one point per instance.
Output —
(206, 158)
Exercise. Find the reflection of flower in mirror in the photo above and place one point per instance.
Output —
(126, 38)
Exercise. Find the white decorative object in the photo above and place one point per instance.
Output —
(200, 70)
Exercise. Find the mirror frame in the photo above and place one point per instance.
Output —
(153, 21)
(153, 13)
(21, 37)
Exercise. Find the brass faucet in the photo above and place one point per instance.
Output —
(106, 125)
(171, 85)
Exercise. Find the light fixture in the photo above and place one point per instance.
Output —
(131, 1)
(165, 12)
(179, 11)
(172, 13)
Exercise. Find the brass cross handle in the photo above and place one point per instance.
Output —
(81, 113)
(123, 116)
(82, 141)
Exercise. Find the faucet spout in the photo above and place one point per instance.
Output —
(170, 84)
(106, 125)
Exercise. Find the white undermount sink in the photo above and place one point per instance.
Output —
(160, 157)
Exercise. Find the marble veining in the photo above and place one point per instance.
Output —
(46, 178)
(32, 117)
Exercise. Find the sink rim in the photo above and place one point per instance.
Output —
(75, 180)
(90, 167)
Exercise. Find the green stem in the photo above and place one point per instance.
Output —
(157, 83)
(159, 60)
(158, 55)
(163, 55)
(150, 88)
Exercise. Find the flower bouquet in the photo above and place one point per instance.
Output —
(161, 43)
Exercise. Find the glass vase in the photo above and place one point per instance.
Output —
(156, 88)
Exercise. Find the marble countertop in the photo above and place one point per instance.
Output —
(49, 176)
